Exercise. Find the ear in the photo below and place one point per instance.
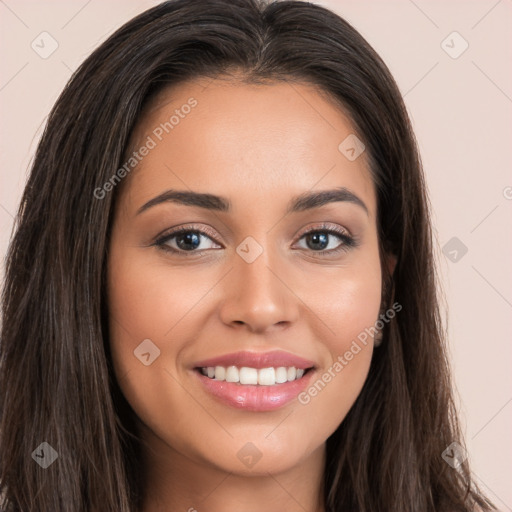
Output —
(390, 261)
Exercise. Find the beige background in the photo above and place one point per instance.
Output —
(461, 110)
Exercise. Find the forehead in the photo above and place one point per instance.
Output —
(231, 138)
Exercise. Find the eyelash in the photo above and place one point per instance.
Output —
(349, 242)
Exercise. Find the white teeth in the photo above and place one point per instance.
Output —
(232, 374)
(281, 375)
(220, 373)
(253, 376)
(248, 375)
(266, 377)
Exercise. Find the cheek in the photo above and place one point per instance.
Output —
(141, 307)
(147, 299)
(348, 307)
(345, 299)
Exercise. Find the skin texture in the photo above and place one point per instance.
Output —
(258, 146)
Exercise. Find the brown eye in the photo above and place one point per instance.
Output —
(323, 240)
(186, 240)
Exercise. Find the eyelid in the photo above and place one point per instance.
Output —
(325, 226)
(167, 233)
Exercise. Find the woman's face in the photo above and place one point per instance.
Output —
(254, 290)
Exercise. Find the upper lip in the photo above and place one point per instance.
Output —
(274, 359)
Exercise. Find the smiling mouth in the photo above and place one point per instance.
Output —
(245, 375)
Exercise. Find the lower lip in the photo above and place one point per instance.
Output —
(255, 398)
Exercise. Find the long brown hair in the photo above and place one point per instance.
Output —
(56, 377)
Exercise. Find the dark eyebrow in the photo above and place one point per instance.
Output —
(306, 201)
(310, 200)
(189, 198)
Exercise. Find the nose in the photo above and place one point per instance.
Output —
(258, 297)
